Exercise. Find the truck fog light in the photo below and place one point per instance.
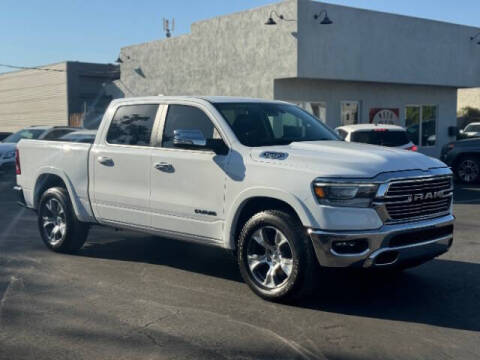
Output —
(350, 247)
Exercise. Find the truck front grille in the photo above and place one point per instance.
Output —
(412, 199)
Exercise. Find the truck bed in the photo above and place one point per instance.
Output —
(67, 160)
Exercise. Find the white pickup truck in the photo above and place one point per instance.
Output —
(262, 178)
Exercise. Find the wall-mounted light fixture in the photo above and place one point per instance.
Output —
(475, 37)
(270, 20)
(139, 72)
(324, 16)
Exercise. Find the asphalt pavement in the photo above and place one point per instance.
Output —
(134, 296)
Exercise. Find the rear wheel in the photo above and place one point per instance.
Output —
(468, 170)
(275, 256)
(59, 227)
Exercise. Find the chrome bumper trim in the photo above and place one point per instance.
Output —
(378, 241)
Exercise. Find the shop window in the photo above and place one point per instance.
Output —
(317, 109)
(421, 124)
(349, 112)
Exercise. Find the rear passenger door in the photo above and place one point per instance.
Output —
(122, 165)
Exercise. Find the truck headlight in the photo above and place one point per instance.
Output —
(9, 155)
(345, 194)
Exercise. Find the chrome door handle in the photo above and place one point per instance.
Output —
(105, 161)
(165, 167)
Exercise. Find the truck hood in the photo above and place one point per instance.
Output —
(344, 159)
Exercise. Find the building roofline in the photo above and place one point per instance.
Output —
(379, 12)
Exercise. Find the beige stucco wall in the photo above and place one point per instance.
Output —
(33, 97)
(468, 98)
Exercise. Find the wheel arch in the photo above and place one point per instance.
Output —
(254, 201)
(463, 155)
(51, 177)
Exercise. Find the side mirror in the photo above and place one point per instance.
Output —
(189, 138)
(194, 139)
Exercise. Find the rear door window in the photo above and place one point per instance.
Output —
(57, 134)
(132, 125)
(381, 137)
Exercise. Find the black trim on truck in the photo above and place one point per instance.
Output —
(20, 197)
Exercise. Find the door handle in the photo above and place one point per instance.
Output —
(105, 161)
(165, 167)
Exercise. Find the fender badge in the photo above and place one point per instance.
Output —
(273, 155)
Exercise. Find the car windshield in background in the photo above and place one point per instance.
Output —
(264, 124)
(381, 137)
(24, 134)
(472, 128)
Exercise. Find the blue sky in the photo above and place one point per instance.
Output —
(34, 32)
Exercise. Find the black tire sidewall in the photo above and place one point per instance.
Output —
(291, 229)
(61, 196)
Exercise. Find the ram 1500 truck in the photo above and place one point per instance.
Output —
(263, 178)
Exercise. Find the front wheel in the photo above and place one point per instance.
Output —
(59, 227)
(468, 170)
(275, 256)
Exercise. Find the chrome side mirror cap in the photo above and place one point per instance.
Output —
(189, 138)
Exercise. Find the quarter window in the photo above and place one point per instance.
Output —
(184, 117)
(132, 125)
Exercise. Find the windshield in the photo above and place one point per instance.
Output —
(23, 134)
(263, 124)
(381, 137)
(472, 128)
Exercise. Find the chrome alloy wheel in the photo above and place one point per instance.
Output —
(269, 257)
(468, 171)
(54, 221)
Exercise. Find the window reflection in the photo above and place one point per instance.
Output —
(132, 125)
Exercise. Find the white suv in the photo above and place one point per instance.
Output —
(384, 135)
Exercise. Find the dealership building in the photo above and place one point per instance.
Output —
(343, 64)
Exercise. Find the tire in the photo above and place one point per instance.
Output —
(467, 170)
(58, 225)
(276, 258)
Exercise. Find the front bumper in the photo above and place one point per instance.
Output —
(388, 246)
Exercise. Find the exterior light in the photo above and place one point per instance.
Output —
(139, 72)
(324, 16)
(474, 37)
(119, 60)
(270, 20)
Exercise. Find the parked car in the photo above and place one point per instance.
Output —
(471, 130)
(9, 144)
(82, 136)
(4, 134)
(464, 158)
(384, 135)
(264, 179)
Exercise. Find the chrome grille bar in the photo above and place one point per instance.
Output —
(412, 199)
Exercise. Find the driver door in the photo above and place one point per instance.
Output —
(187, 185)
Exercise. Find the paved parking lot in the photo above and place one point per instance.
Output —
(133, 296)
